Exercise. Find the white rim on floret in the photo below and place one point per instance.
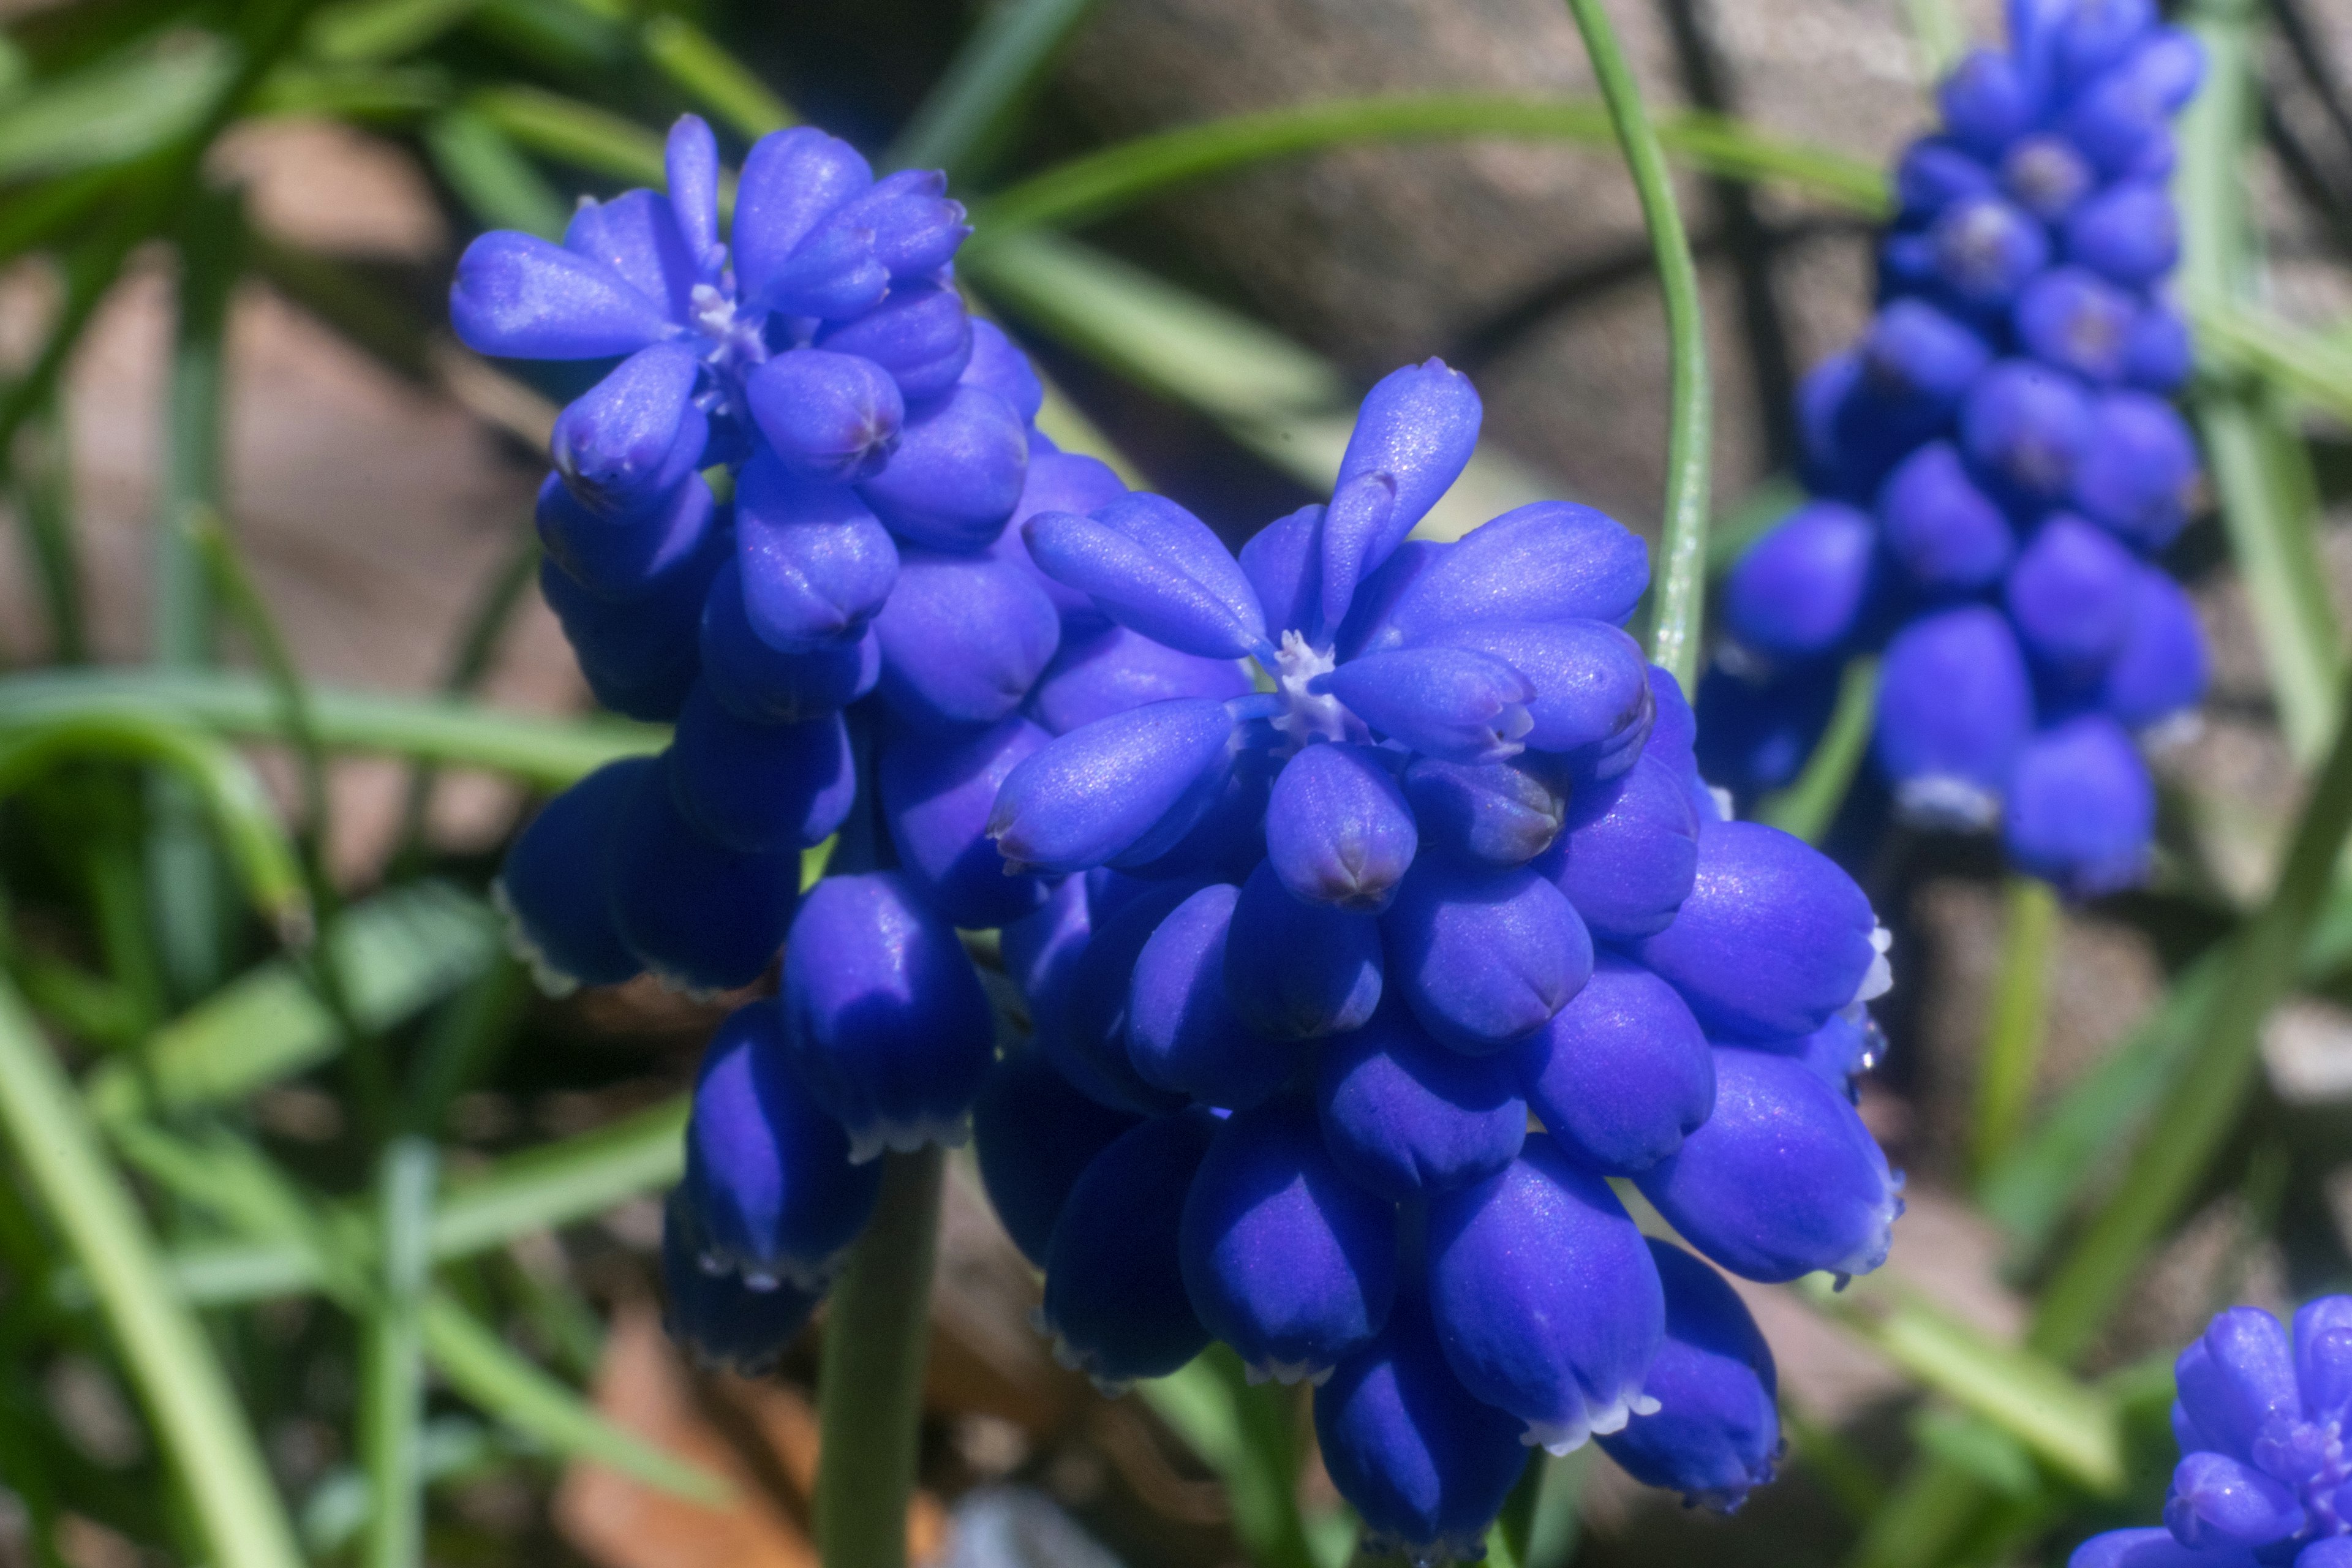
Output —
(1077, 1360)
(1588, 1421)
(1879, 978)
(2173, 733)
(1946, 800)
(550, 977)
(1286, 1373)
(950, 1131)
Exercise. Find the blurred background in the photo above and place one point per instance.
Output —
(273, 645)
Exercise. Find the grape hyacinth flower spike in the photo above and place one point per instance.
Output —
(2260, 1415)
(1321, 942)
(1995, 471)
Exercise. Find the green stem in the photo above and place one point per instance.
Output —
(2016, 1026)
(392, 1370)
(1674, 642)
(1809, 804)
(164, 1351)
(870, 1387)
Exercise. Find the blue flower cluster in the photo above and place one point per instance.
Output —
(1994, 467)
(2264, 1477)
(1317, 947)
(778, 521)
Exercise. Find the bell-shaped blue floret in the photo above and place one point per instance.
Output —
(1628, 854)
(1183, 1035)
(2098, 34)
(1484, 957)
(2238, 1379)
(957, 474)
(1591, 705)
(1798, 593)
(1838, 1052)
(1338, 830)
(1099, 789)
(2128, 234)
(700, 917)
(1082, 1016)
(830, 419)
(884, 1017)
(2155, 1548)
(1035, 1136)
(690, 166)
(1404, 1116)
(1983, 249)
(1620, 1075)
(936, 792)
(999, 367)
(1545, 1298)
(1285, 1259)
(551, 886)
(921, 335)
(1773, 939)
(1918, 357)
(1758, 733)
(1673, 733)
(2160, 354)
(1948, 534)
(816, 566)
(640, 656)
(1115, 1298)
(755, 788)
(1489, 814)
(1283, 563)
(1155, 568)
(517, 296)
(628, 441)
(1782, 1180)
(1955, 709)
(716, 1316)
(1415, 430)
(1042, 950)
(1218, 828)
(2046, 174)
(2217, 1502)
(1426, 1465)
(767, 1172)
(2081, 807)
(1986, 103)
(1932, 173)
(1548, 561)
(964, 638)
(1295, 971)
(636, 235)
(2070, 596)
(1055, 482)
(1101, 668)
(2078, 321)
(2027, 425)
(1718, 1427)
(629, 555)
(915, 228)
(2139, 474)
(792, 181)
(768, 685)
(1455, 703)
(2323, 1356)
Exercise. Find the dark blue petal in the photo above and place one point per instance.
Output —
(1948, 534)
(2070, 596)
(936, 792)
(2154, 1548)
(1338, 830)
(1718, 1427)
(1285, 1259)
(964, 638)
(1152, 566)
(792, 180)
(1404, 1116)
(767, 685)
(816, 566)
(1102, 669)
(1058, 481)
(921, 335)
(1783, 1179)
(2046, 176)
(957, 474)
(1035, 1136)
(640, 656)
(1955, 708)
(1545, 1299)
(884, 1017)
(630, 554)
(1455, 703)
(1284, 562)
(1591, 706)
(1484, 957)
(718, 1317)
(1183, 1035)
(2139, 474)
(1097, 790)
(999, 367)
(701, 918)
(2079, 321)
(2128, 233)
(1628, 854)
(1082, 1021)
(1622, 1075)
(627, 443)
(1985, 249)
(756, 788)
(520, 296)
(1491, 814)
(551, 885)
(2027, 425)
(1298, 971)
(1986, 102)
(1115, 1301)
(2081, 807)
(1551, 561)
(1798, 592)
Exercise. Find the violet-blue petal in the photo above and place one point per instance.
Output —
(633, 438)
(640, 656)
(1084, 1027)
(2153, 1548)
(1716, 1431)
(1545, 1299)
(2027, 425)
(1592, 706)
(1354, 526)
(1781, 1179)
(1549, 561)
(1798, 592)
(1986, 102)
(517, 296)
(830, 419)
(1986, 249)
(769, 1172)
(1115, 1301)
(957, 474)
(1183, 1035)
(1295, 971)
(1418, 426)
(2323, 1355)
(628, 555)
(2078, 321)
(1457, 703)
(1101, 668)
(2139, 474)
(1948, 534)
(921, 334)
(2081, 807)
(551, 884)
(1216, 829)
(1285, 1259)
(1759, 732)
(998, 366)
(1338, 830)
(816, 566)
(2128, 233)
(1955, 709)
(886, 1019)
(1920, 357)
(636, 234)
(1773, 939)
(1097, 790)
(1484, 957)
(1155, 568)
(690, 163)
(1404, 1116)
(964, 638)
(768, 685)
(1491, 814)
(916, 227)
(792, 181)
(1058, 481)
(2046, 174)
(2216, 1501)
(2238, 1378)
(2070, 596)
(756, 788)
(1034, 1136)
(1627, 855)
(719, 1319)
(701, 918)
(936, 793)
(1284, 562)
(1623, 1074)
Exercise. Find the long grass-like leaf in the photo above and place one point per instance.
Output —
(699, 68)
(391, 1356)
(986, 84)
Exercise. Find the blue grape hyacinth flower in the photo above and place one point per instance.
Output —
(2262, 1476)
(1995, 467)
(1317, 944)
